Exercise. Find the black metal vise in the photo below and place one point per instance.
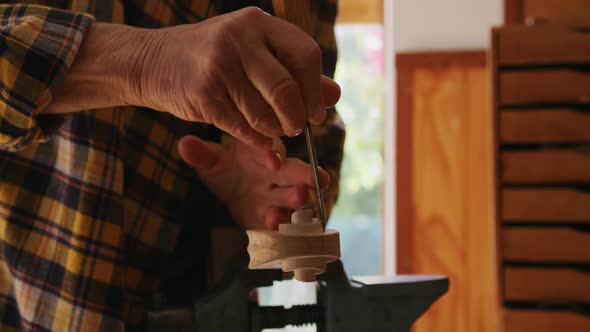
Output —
(371, 304)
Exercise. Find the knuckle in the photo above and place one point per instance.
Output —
(239, 129)
(263, 120)
(216, 61)
(313, 53)
(212, 110)
(284, 92)
(251, 12)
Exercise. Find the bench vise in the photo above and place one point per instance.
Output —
(371, 304)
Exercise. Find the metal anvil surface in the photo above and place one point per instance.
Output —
(371, 304)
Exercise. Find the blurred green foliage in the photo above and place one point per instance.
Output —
(359, 73)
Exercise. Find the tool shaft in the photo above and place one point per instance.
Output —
(313, 160)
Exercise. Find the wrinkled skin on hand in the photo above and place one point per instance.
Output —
(252, 75)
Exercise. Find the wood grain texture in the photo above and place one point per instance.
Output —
(570, 12)
(542, 45)
(546, 166)
(545, 244)
(452, 230)
(545, 321)
(545, 205)
(556, 285)
(558, 125)
(544, 86)
(406, 65)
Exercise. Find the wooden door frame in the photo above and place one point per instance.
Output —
(406, 65)
(513, 11)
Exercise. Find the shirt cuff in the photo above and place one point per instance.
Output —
(37, 48)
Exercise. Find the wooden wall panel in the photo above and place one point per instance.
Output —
(451, 190)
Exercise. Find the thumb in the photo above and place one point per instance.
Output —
(198, 153)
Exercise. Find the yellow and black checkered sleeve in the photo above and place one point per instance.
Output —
(37, 47)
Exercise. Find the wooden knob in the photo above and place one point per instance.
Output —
(301, 247)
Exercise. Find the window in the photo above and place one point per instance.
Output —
(358, 213)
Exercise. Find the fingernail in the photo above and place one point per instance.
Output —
(317, 116)
(279, 156)
(296, 133)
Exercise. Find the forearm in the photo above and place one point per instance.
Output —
(106, 69)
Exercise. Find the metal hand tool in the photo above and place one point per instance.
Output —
(313, 160)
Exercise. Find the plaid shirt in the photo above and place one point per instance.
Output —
(92, 204)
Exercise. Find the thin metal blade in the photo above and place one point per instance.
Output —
(313, 160)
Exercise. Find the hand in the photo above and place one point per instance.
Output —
(252, 75)
(257, 186)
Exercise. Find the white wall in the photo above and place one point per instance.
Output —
(444, 24)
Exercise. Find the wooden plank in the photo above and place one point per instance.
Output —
(547, 86)
(542, 45)
(570, 12)
(546, 284)
(452, 187)
(545, 244)
(545, 205)
(545, 321)
(546, 166)
(563, 125)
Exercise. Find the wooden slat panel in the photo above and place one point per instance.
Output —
(545, 205)
(569, 12)
(545, 321)
(551, 244)
(545, 126)
(546, 166)
(546, 284)
(543, 44)
(544, 86)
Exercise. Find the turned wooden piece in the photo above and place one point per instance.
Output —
(301, 247)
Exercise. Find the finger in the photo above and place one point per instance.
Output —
(278, 88)
(293, 197)
(275, 216)
(228, 118)
(307, 72)
(295, 172)
(274, 159)
(198, 153)
(302, 57)
(331, 92)
(279, 147)
(252, 105)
